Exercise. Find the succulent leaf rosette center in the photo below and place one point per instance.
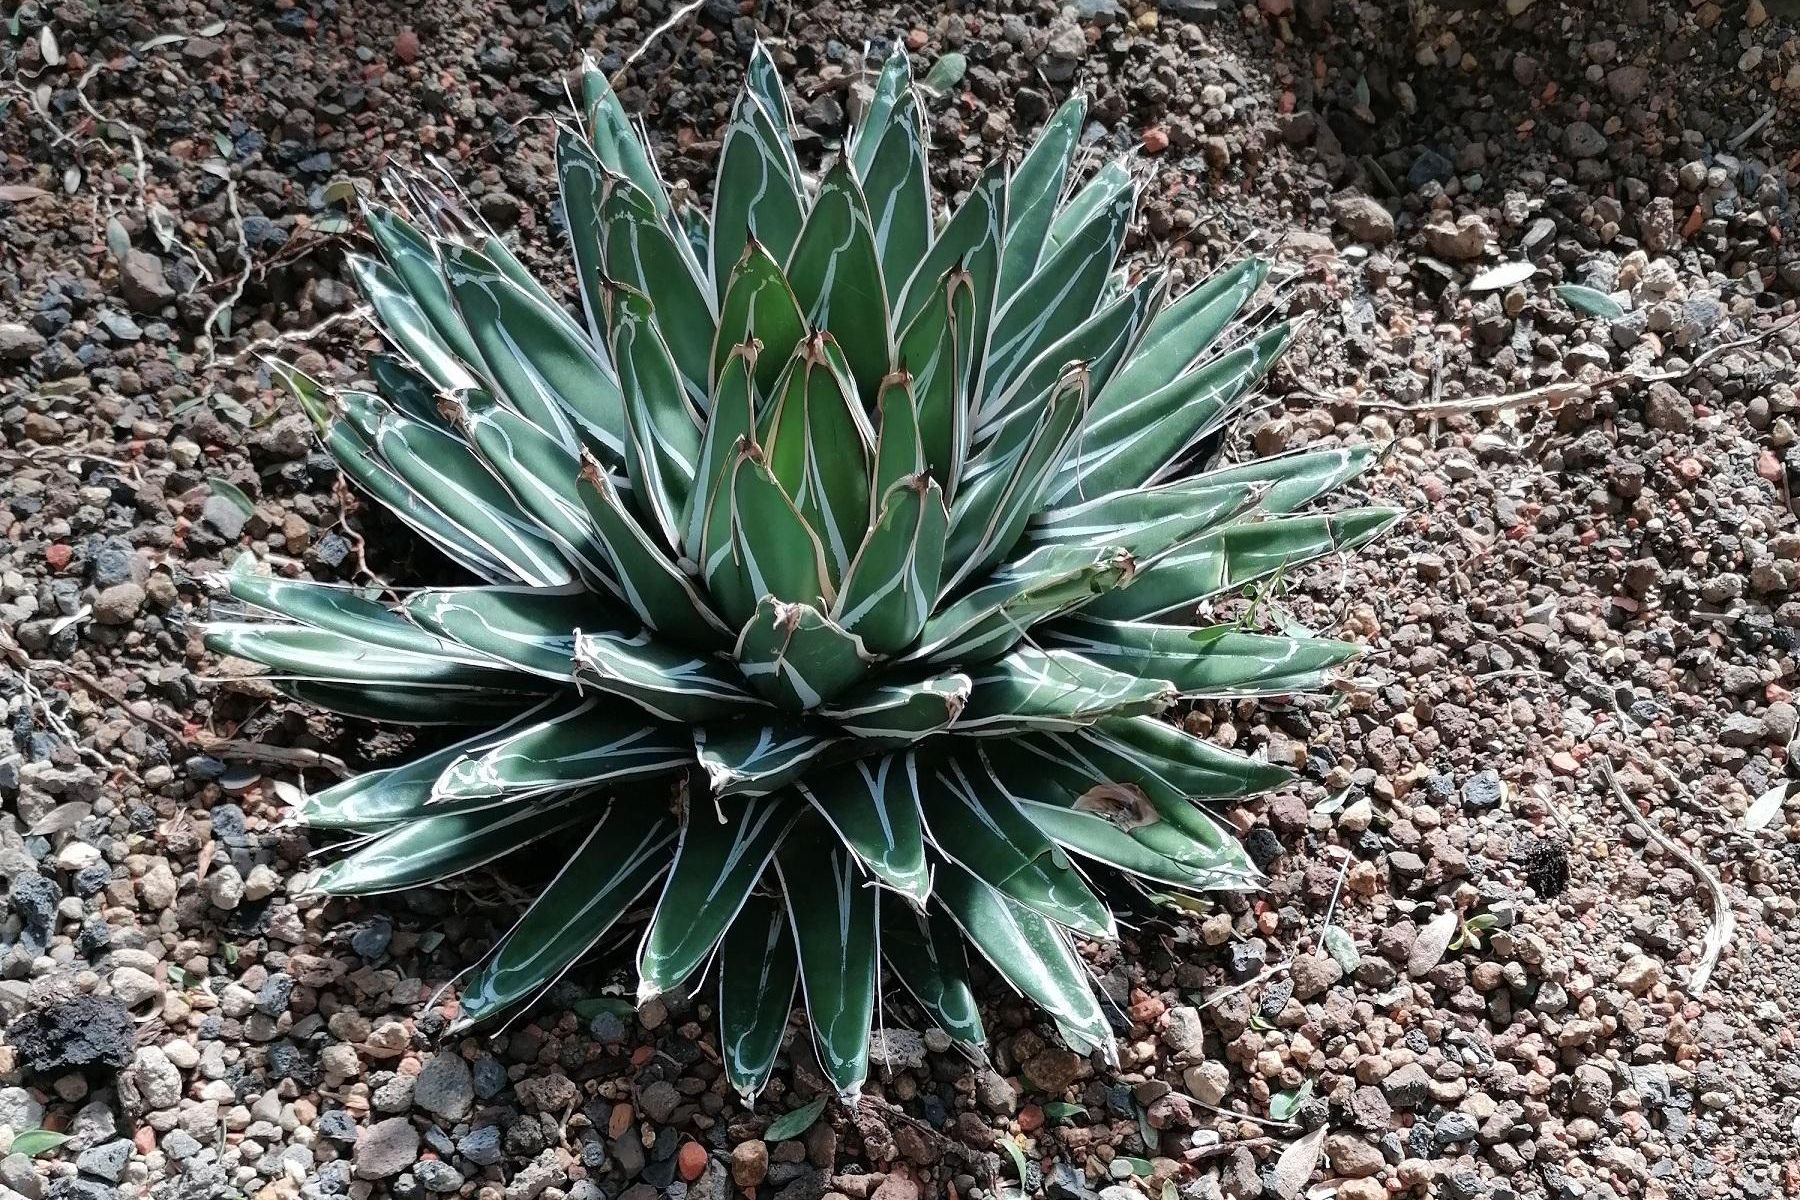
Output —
(836, 553)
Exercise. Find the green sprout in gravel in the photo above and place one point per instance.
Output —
(836, 559)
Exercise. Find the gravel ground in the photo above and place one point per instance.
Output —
(1476, 971)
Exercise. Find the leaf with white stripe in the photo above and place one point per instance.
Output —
(759, 973)
(414, 260)
(437, 848)
(1107, 183)
(405, 388)
(1218, 662)
(617, 142)
(662, 595)
(618, 860)
(797, 657)
(642, 254)
(970, 240)
(1035, 190)
(662, 429)
(442, 470)
(412, 704)
(763, 77)
(1031, 689)
(774, 552)
(893, 87)
(873, 804)
(720, 857)
(1032, 954)
(977, 826)
(898, 186)
(302, 652)
(597, 741)
(667, 682)
(1232, 557)
(756, 192)
(1132, 444)
(730, 427)
(892, 584)
(347, 610)
(934, 351)
(529, 628)
(754, 758)
(1296, 478)
(406, 324)
(899, 714)
(925, 950)
(817, 443)
(833, 914)
(1146, 521)
(989, 619)
(758, 306)
(835, 271)
(898, 451)
(1184, 331)
(1194, 765)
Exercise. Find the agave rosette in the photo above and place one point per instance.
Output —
(836, 559)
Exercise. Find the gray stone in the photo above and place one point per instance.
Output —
(19, 342)
(1364, 219)
(107, 1161)
(1582, 140)
(386, 1148)
(225, 516)
(143, 283)
(18, 1110)
(436, 1175)
(1407, 1087)
(445, 1086)
(659, 1100)
(17, 1173)
(481, 1145)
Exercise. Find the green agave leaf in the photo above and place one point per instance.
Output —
(618, 860)
(343, 609)
(301, 652)
(662, 595)
(662, 429)
(898, 186)
(642, 254)
(436, 848)
(1101, 342)
(1180, 334)
(873, 805)
(970, 240)
(759, 306)
(892, 89)
(934, 351)
(1095, 836)
(1034, 192)
(1237, 555)
(730, 427)
(364, 412)
(925, 949)
(980, 829)
(756, 194)
(1004, 485)
(1192, 764)
(1127, 446)
(993, 617)
(592, 743)
(376, 800)
(442, 470)
(581, 179)
(1059, 297)
(410, 704)
(833, 916)
(1146, 521)
(1032, 953)
(1216, 662)
(759, 970)
(763, 77)
(457, 543)
(1032, 689)
(835, 271)
(1589, 301)
(537, 361)
(797, 657)
(540, 474)
(530, 628)
(898, 451)
(751, 758)
(717, 863)
(1294, 479)
(404, 388)
(774, 551)
(1108, 183)
(817, 445)
(900, 714)
(407, 326)
(892, 584)
(414, 260)
(665, 681)
(617, 143)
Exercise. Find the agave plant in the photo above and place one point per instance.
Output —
(836, 560)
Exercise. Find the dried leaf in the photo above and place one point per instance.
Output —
(793, 1124)
(34, 1142)
(1283, 1105)
(118, 239)
(1295, 1166)
(1434, 939)
(48, 48)
(161, 39)
(14, 193)
(1764, 809)
(71, 179)
(213, 30)
(1342, 948)
(235, 494)
(1502, 276)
